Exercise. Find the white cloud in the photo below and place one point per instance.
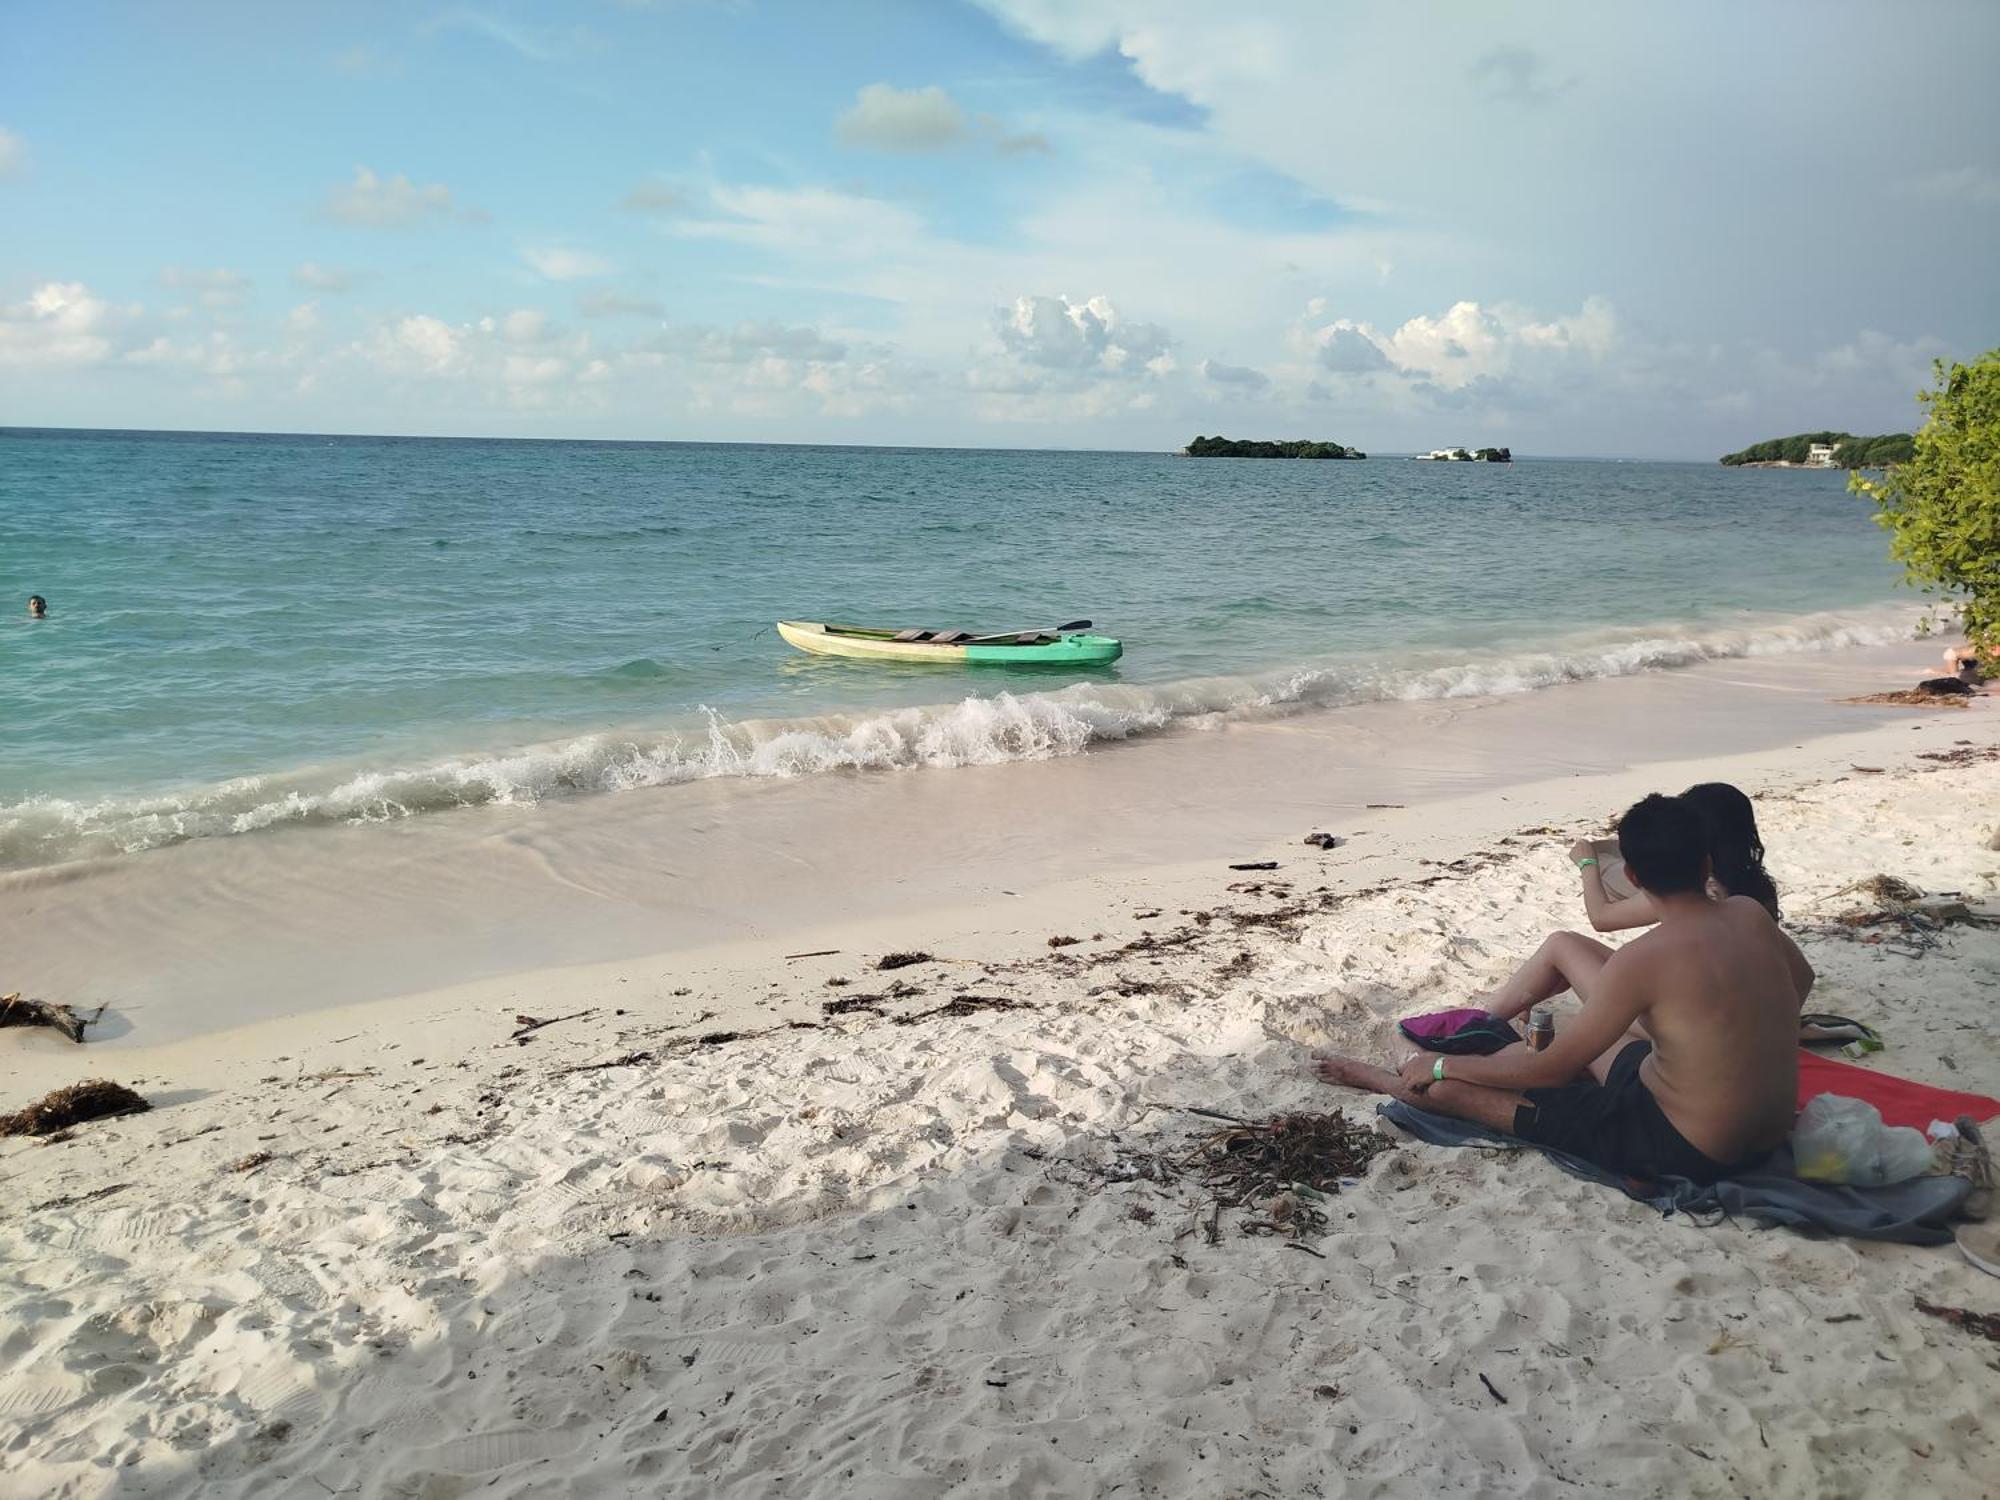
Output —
(315, 277)
(1466, 343)
(560, 263)
(1959, 185)
(213, 289)
(60, 323)
(303, 319)
(886, 118)
(747, 343)
(1058, 334)
(1241, 376)
(811, 224)
(372, 202)
(13, 154)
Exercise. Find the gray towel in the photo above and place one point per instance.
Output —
(1916, 1212)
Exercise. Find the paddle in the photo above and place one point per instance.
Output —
(1008, 635)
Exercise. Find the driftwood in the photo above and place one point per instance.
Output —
(14, 1011)
(92, 1100)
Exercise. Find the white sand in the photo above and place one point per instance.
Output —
(883, 1259)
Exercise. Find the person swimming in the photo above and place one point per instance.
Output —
(38, 607)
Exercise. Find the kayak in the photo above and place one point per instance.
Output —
(1042, 648)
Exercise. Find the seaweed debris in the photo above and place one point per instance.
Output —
(1278, 1167)
(94, 1099)
(903, 960)
(1985, 1324)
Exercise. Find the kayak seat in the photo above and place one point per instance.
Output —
(951, 637)
(911, 635)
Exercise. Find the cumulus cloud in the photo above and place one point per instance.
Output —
(1345, 350)
(60, 323)
(1058, 334)
(213, 289)
(654, 197)
(560, 263)
(315, 277)
(372, 202)
(1467, 343)
(13, 154)
(886, 118)
(1240, 376)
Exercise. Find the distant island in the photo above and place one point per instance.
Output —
(1222, 447)
(1825, 450)
(1468, 456)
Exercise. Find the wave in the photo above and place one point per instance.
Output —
(974, 731)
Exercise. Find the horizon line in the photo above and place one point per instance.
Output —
(442, 437)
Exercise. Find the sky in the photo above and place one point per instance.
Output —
(1653, 230)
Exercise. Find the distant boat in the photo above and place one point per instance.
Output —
(1061, 645)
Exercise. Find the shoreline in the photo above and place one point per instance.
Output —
(214, 934)
(699, 1242)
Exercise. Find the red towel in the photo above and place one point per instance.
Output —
(1901, 1101)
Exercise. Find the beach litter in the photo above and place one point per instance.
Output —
(14, 1011)
(94, 1099)
(1324, 840)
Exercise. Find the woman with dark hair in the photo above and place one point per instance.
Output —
(1570, 960)
(1735, 856)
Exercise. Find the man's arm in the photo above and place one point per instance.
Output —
(1616, 1001)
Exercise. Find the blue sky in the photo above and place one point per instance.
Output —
(1656, 231)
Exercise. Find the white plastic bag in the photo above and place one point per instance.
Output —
(1838, 1139)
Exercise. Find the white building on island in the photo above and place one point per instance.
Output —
(1820, 456)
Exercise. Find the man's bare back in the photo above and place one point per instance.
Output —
(1720, 992)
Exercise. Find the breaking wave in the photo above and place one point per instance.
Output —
(974, 731)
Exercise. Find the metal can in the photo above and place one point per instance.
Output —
(1541, 1028)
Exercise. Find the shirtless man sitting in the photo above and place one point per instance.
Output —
(1684, 1059)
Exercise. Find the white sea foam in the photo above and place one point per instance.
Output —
(973, 731)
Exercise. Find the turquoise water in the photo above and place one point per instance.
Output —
(248, 631)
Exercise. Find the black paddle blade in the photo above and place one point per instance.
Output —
(1073, 625)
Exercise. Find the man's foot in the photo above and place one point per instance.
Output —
(1353, 1073)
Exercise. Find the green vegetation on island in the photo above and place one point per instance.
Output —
(1941, 505)
(1222, 447)
(1848, 451)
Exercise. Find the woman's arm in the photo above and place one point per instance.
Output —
(1608, 913)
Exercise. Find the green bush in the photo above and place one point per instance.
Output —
(1941, 506)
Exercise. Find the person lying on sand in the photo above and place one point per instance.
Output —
(1684, 1059)
(1735, 852)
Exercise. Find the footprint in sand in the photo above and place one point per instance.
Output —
(28, 1396)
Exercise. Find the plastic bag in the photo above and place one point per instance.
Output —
(1838, 1139)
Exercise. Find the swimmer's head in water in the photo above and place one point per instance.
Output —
(37, 606)
(1665, 845)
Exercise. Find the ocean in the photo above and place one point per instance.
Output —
(252, 631)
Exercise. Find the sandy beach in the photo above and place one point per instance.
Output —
(739, 1221)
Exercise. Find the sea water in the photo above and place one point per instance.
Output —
(252, 631)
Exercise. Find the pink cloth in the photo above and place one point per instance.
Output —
(1439, 1023)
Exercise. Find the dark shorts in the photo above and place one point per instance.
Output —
(1616, 1124)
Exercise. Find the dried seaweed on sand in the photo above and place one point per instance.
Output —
(94, 1099)
(1985, 1324)
(1276, 1168)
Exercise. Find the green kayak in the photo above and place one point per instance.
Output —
(1043, 648)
